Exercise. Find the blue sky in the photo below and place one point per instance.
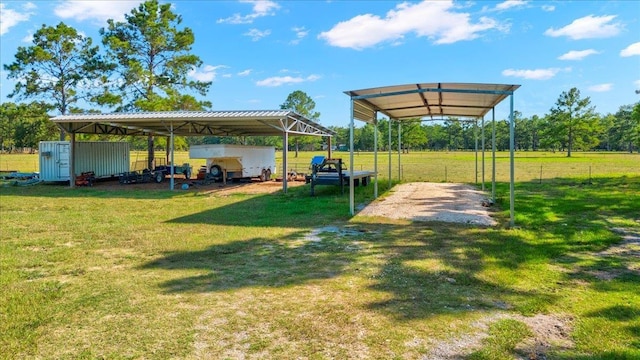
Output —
(258, 52)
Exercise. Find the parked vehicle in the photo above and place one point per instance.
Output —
(162, 171)
(229, 162)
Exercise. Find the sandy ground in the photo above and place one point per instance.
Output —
(423, 201)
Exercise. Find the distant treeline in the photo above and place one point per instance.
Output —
(24, 125)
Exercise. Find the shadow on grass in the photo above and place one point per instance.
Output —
(617, 312)
(256, 263)
(111, 191)
(294, 209)
(457, 283)
(415, 292)
(475, 268)
(570, 207)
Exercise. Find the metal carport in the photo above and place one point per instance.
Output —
(431, 100)
(192, 123)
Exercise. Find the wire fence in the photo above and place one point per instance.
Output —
(469, 171)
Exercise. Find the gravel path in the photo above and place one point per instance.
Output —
(423, 201)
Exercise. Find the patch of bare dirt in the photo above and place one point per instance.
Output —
(629, 247)
(628, 251)
(424, 201)
(550, 332)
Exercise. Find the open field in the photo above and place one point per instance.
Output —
(124, 272)
(430, 166)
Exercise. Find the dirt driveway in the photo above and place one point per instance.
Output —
(424, 201)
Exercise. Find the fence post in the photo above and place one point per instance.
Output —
(540, 173)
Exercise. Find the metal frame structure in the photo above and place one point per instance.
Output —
(192, 123)
(431, 100)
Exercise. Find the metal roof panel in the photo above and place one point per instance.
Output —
(429, 99)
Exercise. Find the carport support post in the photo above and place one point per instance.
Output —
(482, 132)
(72, 162)
(493, 155)
(475, 135)
(173, 169)
(512, 163)
(351, 190)
(285, 144)
(389, 146)
(375, 156)
(399, 149)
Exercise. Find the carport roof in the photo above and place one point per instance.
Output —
(193, 123)
(431, 100)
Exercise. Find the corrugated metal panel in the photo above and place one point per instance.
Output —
(172, 115)
(431, 99)
(104, 158)
(54, 160)
(191, 123)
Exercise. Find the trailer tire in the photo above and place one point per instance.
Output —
(159, 176)
(216, 171)
(187, 174)
(268, 174)
(263, 175)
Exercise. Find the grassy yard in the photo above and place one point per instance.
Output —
(139, 273)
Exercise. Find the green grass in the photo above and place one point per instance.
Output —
(429, 166)
(504, 336)
(97, 273)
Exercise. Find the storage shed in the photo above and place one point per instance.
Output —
(105, 159)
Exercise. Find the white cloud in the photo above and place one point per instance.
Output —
(260, 8)
(631, 50)
(256, 34)
(28, 39)
(98, 10)
(206, 74)
(245, 72)
(588, 27)
(12, 17)
(276, 81)
(548, 8)
(537, 74)
(578, 54)
(601, 87)
(301, 33)
(435, 20)
(510, 4)
(637, 83)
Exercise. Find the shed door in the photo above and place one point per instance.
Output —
(63, 161)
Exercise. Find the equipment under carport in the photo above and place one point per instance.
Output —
(333, 172)
(131, 177)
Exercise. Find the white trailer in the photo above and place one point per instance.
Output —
(227, 162)
(105, 159)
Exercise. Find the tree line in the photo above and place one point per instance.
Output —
(143, 65)
(567, 127)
